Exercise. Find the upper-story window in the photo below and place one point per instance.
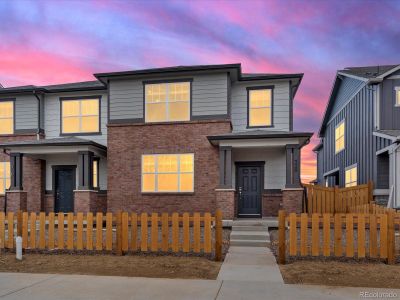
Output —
(80, 115)
(6, 117)
(339, 137)
(397, 91)
(166, 102)
(259, 106)
(351, 176)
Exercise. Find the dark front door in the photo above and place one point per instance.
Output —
(249, 187)
(64, 185)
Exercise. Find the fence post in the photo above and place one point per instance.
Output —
(370, 191)
(281, 238)
(218, 235)
(119, 233)
(19, 223)
(390, 239)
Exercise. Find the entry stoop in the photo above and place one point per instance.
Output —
(250, 233)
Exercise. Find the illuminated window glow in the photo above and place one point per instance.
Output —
(5, 177)
(80, 116)
(6, 117)
(351, 177)
(167, 102)
(339, 137)
(167, 173)
(397, 96)
(260, 107)
(95, 173)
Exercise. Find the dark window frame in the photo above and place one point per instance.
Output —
(98, 97)
(261, 87)
(13, 100)
(146, 82)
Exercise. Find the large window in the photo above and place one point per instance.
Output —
(397, 91)
(260, 107)
(4, 177)
(167, 173)
(167, 102)
(351, 176)
(339, 137)
(80, 115)
(6, 117)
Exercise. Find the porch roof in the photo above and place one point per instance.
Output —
(260, 134)
(56, 145)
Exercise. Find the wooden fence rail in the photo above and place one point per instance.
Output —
(120, 232)
(321, 199)
(370, 208)
(350, 235)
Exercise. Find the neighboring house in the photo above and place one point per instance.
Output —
(188, 138)
(360, 132)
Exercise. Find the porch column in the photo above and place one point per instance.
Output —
(225, 167)
(293, 166)
(85, 170)
(16, 171)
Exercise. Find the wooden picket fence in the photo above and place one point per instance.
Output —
(338, 235)
(370, 208)
(332, 200)
(122, 232)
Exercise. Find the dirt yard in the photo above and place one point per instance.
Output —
(338, 273)
(109, 265)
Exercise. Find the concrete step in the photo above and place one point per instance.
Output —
(250, 222)
(250, 235)
(249, 243)
(249, 228)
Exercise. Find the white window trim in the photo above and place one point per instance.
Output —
(397, 96)
(344, 136)
(3, 177)
(349, 168)
(80, 116)
(167, 101)
(157, 173)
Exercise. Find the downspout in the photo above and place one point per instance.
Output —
(39, 115)
(5, 194)
(394, 186)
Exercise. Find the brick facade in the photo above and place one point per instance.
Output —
(292, 200)
(88, 201)
(225, 201)
(16, 200)
(271, 203)
(127, 143)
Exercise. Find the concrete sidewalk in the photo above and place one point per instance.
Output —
(50, 287)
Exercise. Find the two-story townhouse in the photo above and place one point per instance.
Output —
(360, 132)
(188, 138)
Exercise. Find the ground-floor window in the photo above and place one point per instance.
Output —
(4, 176)
(168, 173)
(351, 176)
(95, 173)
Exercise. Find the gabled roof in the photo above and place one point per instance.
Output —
(369, 75)
(368, 72)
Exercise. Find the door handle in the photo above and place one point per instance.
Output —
(240, 192)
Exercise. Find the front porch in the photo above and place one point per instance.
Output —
(57, 175)
(259, 173)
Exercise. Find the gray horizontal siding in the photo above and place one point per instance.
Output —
(209, 96)
(26, 112)
(348, 88)
(360, 145)
(281, 115)
(52, 115)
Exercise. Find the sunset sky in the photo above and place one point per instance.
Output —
(46, 42)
